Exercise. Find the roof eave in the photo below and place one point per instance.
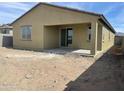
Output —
(107, 23)
(101, 16)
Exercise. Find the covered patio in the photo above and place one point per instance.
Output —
(80, 38)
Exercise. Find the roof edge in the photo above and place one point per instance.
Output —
(53, 5)
(25, 13)
(71, 9)
(107, 22)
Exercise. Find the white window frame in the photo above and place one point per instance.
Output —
(22, 33)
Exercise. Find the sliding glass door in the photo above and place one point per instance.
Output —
(63, 37)
(66, 37)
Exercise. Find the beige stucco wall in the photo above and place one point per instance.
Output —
(51, 37)
(80, 37)
(99, 37)
(106, 42)
(42, 16)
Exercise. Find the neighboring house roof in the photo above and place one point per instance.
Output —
(120, 34)
(6, 27)
(101, 16)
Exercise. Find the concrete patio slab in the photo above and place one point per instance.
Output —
(68, 50)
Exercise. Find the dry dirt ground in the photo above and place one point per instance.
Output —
(29, 70)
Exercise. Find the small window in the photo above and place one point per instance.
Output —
(109, 36)
(26, 32)
(103, 37)
(89, 37)
(89, 34)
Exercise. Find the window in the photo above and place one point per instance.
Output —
(89, 34)
(70, 34)
(103, 37)
(109, 36)
(89, 37)
(26, 32)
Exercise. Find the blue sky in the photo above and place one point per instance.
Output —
(114, 12)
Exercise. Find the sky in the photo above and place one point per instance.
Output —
(113, 11)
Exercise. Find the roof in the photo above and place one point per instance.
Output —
(6, 26)
(101, 16)
(120, 34)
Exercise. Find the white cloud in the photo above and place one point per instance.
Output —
(119, 29)
(20, 6)
(6, 15)
(10, 11)
(120, 17)
(118, 20)
(76, 5)
(108, 10)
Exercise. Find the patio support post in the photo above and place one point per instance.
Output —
(94, 29)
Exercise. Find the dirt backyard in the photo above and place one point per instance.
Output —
(29, 70)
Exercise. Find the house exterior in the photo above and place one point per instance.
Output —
(6, 35)
(6, 29)
(48, 26)
(123, 44)
(119, 40)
